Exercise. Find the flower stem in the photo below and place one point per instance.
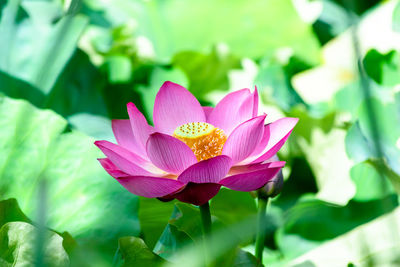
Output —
(206, 223)
(205, 218)
(260, 239)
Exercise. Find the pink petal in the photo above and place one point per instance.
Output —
(175, 106)
(148, 186)
(169, 153)
(140, 128)
(232, 110)
(124, 159)
(198, 194)
(256, 167)
(250, 181)
(207, 171)
(263, 143)
(123, 133)
(207, 111)
(111, 168)
(244, 139)
(279, 132)
(255, 102)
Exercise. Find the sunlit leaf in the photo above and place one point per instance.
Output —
(136, 253)
(383, 131)
(185, 26)
(38, 60)
(396, 18)
(327, 157)
(369, 183)
(18, 246)
(82, 198)
(373, 244)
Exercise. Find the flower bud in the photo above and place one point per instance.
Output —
(272, 188)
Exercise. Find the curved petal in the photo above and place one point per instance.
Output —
(256, 167)
(147, 186)
(111, 169)
(263, 142)
(232, 110)
(255, 102)
(244, 139)
(174, 106)
(123, 134)
(279, 132)
(169, 153)
(198, 194)
(250, 181)
(207, 111)
(124, 159)
(140, 128)
(207, 171)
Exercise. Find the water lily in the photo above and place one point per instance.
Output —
(192, 150)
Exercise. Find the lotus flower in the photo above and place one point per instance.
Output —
(192, 150)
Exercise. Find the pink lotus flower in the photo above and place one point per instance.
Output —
(192, 150)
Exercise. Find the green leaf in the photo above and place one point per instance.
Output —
(293, 245)
(187, 219)
(82, 198)
(232, 206)
(16, 88)
(119, 69)
(358, 147)
(93, 125)
(396, 18)
(373, 244)
(38, 60)
(331, 22)
(328, 160)
(245, 259)
(18, 246)
(184, 227)
(206, 72)
(388, 132)
(185, 26)
(135, 253)
(238, 258)
(171, 241)
(369, 183)
(274, 79)
(308, 123)
(222, 242)
(11, 212)
(317, 220)
(383, 68)
(80, 88)
(154, 216)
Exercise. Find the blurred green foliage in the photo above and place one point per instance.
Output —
(68, 67)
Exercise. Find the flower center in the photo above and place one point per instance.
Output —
(205, 140)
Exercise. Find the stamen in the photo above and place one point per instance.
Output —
(205, 140)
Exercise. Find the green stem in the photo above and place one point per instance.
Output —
(260, 239)
(206, 218)
(206, 223)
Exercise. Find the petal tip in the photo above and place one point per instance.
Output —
(98, 143)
